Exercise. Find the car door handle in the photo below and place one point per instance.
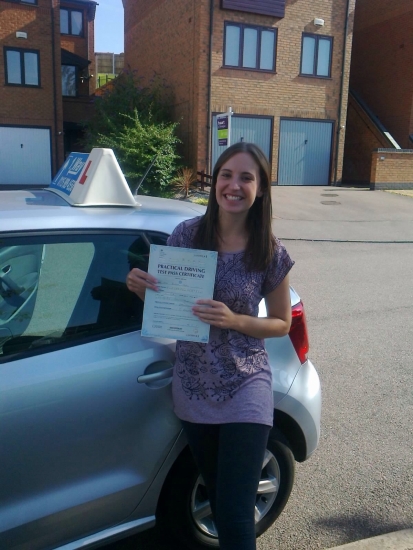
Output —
(154, 377)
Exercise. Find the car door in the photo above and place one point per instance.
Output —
(82, 439)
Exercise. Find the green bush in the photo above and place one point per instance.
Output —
(135, 122)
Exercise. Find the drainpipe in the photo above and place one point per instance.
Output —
(56, 141)
(209, 113)
(340, 106)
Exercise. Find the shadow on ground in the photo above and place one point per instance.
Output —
(346, 528)
(148, 540)
(360, 526)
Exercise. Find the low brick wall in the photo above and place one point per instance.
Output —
(392, 169)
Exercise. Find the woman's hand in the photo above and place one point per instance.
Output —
(138, 281)
(277, 322)
(214, 313)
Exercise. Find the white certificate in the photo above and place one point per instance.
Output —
(184, 276)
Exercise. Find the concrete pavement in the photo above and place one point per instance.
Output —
(341, 214)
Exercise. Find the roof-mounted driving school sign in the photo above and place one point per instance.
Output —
(68, 174)
(93, 180)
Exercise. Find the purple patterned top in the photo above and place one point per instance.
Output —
(229, 378)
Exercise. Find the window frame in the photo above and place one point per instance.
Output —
(76, 78)
(317, 38)
(259, 29)
(69, 22)
(21, 51)
(25, 2)
(77, 236)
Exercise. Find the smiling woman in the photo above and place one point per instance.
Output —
(222, 389)
(254, 177)
(238, 185)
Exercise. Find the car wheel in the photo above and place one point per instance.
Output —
(185, 512)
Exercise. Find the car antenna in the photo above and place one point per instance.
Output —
(146, 173)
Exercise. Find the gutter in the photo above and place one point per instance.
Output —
(55, 168)
(209, 114)
(340, 106)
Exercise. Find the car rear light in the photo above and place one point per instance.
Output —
(298, 332)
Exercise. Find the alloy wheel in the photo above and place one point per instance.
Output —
(266, 495)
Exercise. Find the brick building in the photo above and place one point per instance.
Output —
(282, 66)
(45, 84)
(380, 112)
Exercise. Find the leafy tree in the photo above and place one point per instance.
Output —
(135, 121)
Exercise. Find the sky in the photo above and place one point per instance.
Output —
(109, 26)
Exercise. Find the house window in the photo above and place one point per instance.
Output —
(22, 67)
(249, 47)
(316, 55)
(71, 22)
(69, 80)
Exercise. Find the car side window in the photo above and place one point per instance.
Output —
(68, 289)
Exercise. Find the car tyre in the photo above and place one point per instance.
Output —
(184, 495)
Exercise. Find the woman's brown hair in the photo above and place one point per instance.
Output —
(260, 245)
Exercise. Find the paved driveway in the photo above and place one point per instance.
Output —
(358, 292)
(340, 213)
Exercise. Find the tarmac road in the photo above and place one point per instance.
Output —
(359, 302)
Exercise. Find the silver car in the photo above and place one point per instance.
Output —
(90, 449)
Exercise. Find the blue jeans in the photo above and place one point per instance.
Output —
(230, 457)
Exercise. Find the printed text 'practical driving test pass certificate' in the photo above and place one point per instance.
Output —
(184, 275)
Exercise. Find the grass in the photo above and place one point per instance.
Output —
(201, 200)
(406, 192)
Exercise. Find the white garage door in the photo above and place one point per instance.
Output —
(305, 152)
(25, 156)
(256, 130)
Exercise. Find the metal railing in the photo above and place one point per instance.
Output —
(104, 79)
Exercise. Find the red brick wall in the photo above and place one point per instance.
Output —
(25, 106)
(172, 38)
(17, 102)
(77, 109)
(382, 65)
(84, 46)
(167, 38)
(392, 170)
(33, 106)
(362, 137)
